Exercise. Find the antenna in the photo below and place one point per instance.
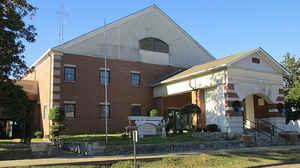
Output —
(61, 13)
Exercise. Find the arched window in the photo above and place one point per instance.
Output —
(153, 44)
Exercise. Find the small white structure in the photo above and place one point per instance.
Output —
(146, 125)
(253, 78)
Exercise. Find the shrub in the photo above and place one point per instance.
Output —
(154, 112)
(212, 128)
(38, 134)
(56, 116)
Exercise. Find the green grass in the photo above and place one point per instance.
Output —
(12, 144)
(118, 139)
(221, 160)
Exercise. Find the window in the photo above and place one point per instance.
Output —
(153, 44)
(135, 78)
(103, 109)
(70, 73)
(70, 110)
(104, 77)
(45, 112)
(255, 60)
(136, 110)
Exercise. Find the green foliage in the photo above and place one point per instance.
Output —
(154, 112)
(38, 134)
(292, 82)
(292, 65)
(14, 103)
(190, 108)
(14, 32)
(57, 117)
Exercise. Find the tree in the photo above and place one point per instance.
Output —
(13, 33)
(14, 103)
(292, 65)
(15, 106)
(57, 117)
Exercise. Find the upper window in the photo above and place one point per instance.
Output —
(104, 77)
(70, 73)
(255, 60)
(153, 44)
(70, 109)
(135, 79)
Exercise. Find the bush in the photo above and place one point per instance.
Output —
(154, 112)
(38, 134)
(57, 116)
(212, 128)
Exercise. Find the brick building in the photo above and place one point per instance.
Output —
(152, 63)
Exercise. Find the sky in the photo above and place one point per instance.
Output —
(222, 27)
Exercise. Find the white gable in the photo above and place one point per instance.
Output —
(259, 61)
(247, 63)
(122, 41)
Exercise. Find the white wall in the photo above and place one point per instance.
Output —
(247, 82)
(122, 40)
(154, 57)
(247, 63)
(201, 81)
(215, 106)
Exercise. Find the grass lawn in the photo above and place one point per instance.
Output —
(118, 139)
(228, 160)
(8, 144)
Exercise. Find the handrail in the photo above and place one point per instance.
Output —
(272, 124)
(274, 128)
(255, 127)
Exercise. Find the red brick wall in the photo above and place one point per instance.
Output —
(176, 101)
(88, 92)
(263, 111)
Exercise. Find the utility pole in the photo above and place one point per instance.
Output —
(106, 82)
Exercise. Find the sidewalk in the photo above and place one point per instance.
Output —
(82, 159)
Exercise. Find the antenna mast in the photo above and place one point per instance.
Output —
(61, 14)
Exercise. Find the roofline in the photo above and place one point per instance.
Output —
(192, 74)
(40, 59)
(183, 31)
(281, 66)
(108, 24)
(139, 11)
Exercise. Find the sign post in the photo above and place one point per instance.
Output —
(135, 139)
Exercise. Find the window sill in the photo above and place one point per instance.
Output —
(66, 81)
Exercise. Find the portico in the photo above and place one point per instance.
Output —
(251, 79)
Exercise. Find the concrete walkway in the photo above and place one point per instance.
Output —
(81, 159)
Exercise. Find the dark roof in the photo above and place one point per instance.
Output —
(165, 77)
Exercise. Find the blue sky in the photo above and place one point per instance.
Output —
(222, 27)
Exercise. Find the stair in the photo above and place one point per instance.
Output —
(266, 134)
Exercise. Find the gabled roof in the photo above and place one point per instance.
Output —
(124, 20)
(218, 64)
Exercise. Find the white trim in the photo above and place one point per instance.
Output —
(103, 103)
(69, 65)
(69, 102)
(192, 74)
(103, 69)
(232, 98)
(136, 72)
